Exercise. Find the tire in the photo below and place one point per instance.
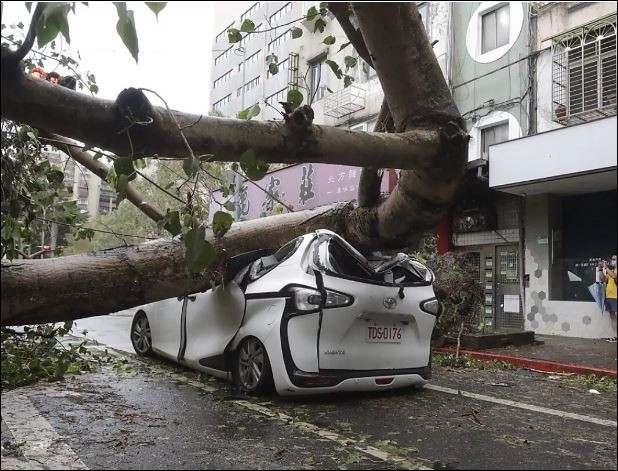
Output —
(252, 370)
(140, 334)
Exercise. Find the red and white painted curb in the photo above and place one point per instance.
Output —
(544, 366)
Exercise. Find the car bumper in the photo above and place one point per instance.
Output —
(367, 383)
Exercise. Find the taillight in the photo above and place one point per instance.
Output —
(306, 299)
(309, 299)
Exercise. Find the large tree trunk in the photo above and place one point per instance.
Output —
(430, 142)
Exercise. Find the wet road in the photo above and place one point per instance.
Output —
(160, 416)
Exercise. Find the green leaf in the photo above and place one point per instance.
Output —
(350, 61)
(230, 206)
(97, 156)
(190, 165)
(200, 253)
(140, 164)
(52, 21)
(247, 26)
(221, 223)
(28, 6)
(335, 68)
(124, 166)
(312, 13)
(329, 40)
(250, 112)
(254, 168)
(94, 88)
(121, 187)
(320, 24)
(125, 27)
(343, 46)
(273, 68)
(172, 222)
(347, 81)
(295, 98)
(156, 7)
(55, 176)
(233, 35)
(296, 32)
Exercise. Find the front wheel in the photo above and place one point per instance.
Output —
(252, 367)
(140, 334)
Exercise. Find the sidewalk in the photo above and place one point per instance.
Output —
(556, 354)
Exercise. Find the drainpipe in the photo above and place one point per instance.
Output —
(522, 257)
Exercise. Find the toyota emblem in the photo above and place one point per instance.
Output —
(390, 303)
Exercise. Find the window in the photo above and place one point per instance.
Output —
(493, 135)
(283, 66)
(318, 79)
(221, 80)
(252, 59)
(495, 28)
(275, 98)
(248, 36)
(223, 34)
(576, 243)
(224, 55)
(250, 11)
(280, 40)
(584, 72)
(281, 12)
(252, 83)
(222, 102)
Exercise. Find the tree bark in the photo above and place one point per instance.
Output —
(103, 123)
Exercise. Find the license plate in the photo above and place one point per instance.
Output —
(380, 333)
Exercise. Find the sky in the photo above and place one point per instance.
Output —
(174, 52)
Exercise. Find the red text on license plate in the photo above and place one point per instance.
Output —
(384, 333)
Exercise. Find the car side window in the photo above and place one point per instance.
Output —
(265, 264)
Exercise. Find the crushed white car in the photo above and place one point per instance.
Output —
(316, 316)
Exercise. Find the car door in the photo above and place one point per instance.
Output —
(165, 319)
(210, 322)
(382, 327)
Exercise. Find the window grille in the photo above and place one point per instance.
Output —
(584, 72)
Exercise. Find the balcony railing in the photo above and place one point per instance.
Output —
(345, 101)
(584, 72)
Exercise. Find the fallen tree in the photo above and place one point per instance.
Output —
(427, 140)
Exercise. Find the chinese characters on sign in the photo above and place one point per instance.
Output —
(304, 186)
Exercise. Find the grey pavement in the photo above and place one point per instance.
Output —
(596, 353)
(159, 417)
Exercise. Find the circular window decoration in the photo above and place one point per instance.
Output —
(493, 29)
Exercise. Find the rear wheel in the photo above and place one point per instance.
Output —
(252, 367)
(140, 334)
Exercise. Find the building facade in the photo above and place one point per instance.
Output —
(536, 84)
(92, 194)
(566, 170)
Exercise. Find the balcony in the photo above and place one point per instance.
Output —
(345, 101)
(571, 160)
(584, 72)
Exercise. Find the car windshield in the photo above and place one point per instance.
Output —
(338, 256)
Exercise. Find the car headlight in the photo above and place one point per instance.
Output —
(431, 306)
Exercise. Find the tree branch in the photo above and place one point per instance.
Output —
(10, 58)
(129, 276)
(97, 122)
(100, 169)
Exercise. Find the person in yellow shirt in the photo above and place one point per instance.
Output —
(609, 278)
